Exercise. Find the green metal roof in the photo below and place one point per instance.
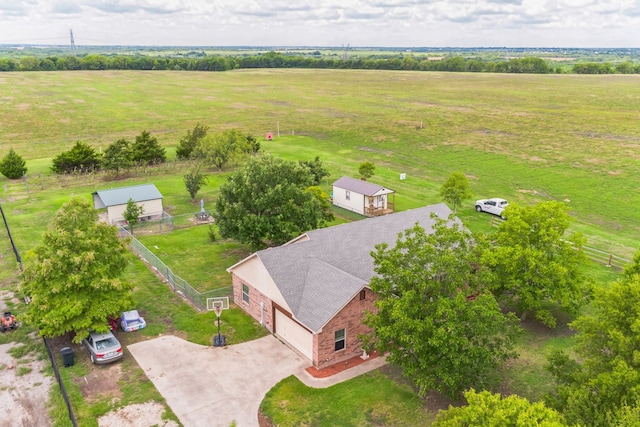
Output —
(120, 196)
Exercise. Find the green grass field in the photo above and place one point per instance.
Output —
(528, 138)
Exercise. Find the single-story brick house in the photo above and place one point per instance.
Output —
(363, 197)
(312, 291)
(115, 201)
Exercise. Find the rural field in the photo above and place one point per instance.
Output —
(527, 138)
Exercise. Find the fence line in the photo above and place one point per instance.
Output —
(177, 283)
(599, 256)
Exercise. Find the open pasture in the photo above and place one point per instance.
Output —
(527, 138)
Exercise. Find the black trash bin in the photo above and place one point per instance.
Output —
(67, 356)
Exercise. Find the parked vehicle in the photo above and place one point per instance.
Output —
(493, 206)
(131, 321)
(103, 348)
(9, 322)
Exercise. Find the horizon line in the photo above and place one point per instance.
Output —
(350, 47)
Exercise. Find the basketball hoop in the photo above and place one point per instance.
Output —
(218, 310)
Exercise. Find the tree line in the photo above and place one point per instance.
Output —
(530, 65)
(145, 150)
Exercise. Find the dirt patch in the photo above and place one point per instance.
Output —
(102, 381)
(140, 415)
(24, 390)
(263, 420)
(205, 219)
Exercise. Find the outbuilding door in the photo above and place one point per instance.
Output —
(297, 336)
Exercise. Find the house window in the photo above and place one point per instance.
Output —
(245, 293)
(347, 194)
(363, 295)
(340, 340)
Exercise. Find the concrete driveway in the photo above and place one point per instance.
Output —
(208, 386)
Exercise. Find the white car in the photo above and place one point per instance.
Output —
(493, 206)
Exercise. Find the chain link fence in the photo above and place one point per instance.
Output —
(177, 283)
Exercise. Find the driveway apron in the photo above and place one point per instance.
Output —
(208, 386)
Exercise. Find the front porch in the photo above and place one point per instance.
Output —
(380, 205)
(377, 211)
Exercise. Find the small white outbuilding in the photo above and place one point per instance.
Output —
(363, 197)
(115, 201)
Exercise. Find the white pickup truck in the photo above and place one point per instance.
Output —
(493, 206)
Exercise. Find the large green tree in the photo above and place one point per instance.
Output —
(117, 156)
(432, 315)
(456, 189)
(602, 386)
(73, 276)
(222, 148)
(13, 166)
(146, 150)
(213, 150)
(488, 409)
(265, 203)
(534, 265)
(81, 158)
(190, 140)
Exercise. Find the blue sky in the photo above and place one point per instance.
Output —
(437, 23)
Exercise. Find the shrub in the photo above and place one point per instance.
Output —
(12, 165)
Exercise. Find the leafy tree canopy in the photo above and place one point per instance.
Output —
(73, 276)
(596, 391)
(132, 213)
(324, 201)
(82, 158)
(222, 148)
(194, 181)
(214, 151)
(316, 169)
(117, 156)
(190, 140)
(432, 316)
(13, 166)
(487, 409)
(456, 189)
(146, 150)
(265, 203)
(366, 169)
(534, 266)
(253, 144)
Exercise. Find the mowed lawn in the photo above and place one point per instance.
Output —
(191, 254)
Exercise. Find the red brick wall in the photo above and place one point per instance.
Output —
(255, 297)
(349, 318)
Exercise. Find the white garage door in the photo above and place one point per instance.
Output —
(297, 336)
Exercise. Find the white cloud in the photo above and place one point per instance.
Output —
(588, 23)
